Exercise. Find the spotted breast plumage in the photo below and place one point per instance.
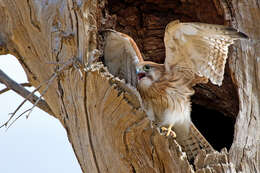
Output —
(195, 52)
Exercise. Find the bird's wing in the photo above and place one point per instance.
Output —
(192, 142)
(202, 48)
(121, 55)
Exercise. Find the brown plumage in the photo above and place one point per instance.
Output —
(195, 52)
(164, 92)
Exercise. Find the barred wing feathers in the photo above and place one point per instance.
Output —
(201, 48)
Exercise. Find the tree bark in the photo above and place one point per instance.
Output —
(244, 66)
(57, 42)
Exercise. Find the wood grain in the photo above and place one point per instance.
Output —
(102, 116)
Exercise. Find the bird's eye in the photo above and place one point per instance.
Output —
(146, 68)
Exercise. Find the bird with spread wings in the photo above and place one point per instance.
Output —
(195, 52)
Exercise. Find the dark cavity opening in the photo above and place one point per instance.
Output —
(217, 128)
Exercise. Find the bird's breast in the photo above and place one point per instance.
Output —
(145, 82)
(166, 106)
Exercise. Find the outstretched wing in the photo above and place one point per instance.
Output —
(202, 48)
(121, 55)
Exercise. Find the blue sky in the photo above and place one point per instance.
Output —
(38, 144)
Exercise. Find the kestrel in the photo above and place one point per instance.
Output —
(195, 52)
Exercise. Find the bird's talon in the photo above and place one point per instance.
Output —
(169, 131)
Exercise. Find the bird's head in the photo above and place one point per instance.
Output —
(148, 72)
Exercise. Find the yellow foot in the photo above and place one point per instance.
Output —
(169, 131)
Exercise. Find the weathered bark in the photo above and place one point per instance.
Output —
(55, 40)
(245, 70)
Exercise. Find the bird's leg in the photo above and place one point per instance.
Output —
(169, 131)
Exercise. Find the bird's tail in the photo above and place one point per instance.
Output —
(193, 142)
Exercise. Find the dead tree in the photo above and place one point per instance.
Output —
(57, 44)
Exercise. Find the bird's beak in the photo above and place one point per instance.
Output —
(138, 70)
(140, 73)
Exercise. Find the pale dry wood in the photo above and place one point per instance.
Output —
(214, 162)
(39, 37)
(244, 65)
(39, 33)
(101, 115)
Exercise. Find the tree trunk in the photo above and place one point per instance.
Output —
(245, 70)
(57, 43)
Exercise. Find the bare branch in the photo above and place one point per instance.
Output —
(6, 123)
(19, 89)
(31, 95)
(22, 84)
(16, 110)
